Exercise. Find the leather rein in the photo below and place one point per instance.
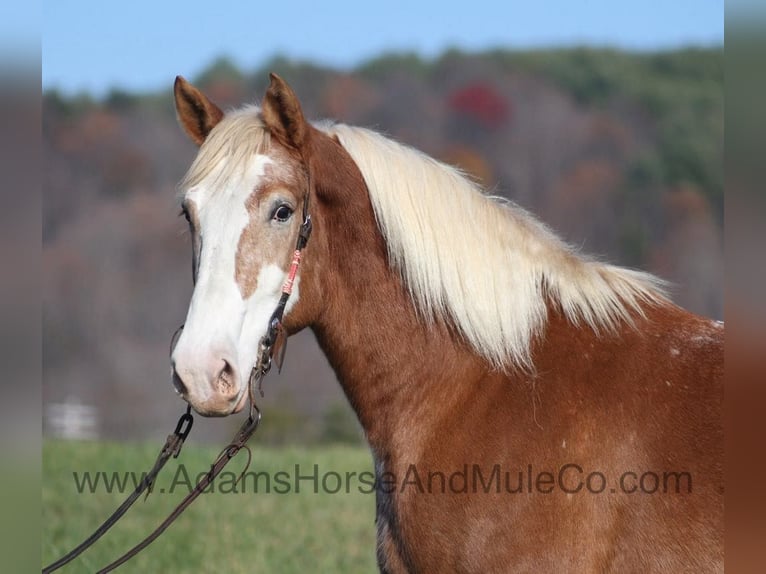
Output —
(271, 348)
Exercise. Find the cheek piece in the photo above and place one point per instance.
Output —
(274, 343)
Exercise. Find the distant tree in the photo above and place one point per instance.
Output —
(481, 103)
(691, 253)
(382, 66)
(471, 162)
(349, 97)
(223, 82)
(681, 91)
(127, 171)
(581, 206)
(221, 70)
(60, 106)
(121, 101)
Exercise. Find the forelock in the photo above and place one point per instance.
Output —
(226, 152)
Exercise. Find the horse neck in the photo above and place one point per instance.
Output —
(394, 365)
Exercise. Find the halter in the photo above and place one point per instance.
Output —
(273, 342)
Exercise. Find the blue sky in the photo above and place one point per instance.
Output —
(143, 44)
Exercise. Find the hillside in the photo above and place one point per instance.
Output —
(622, 154)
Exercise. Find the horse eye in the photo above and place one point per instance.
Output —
(282, 213)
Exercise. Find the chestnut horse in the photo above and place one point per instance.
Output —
(528, 409)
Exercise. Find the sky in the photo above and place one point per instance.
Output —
(96, 45)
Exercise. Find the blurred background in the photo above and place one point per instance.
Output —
(605, 119)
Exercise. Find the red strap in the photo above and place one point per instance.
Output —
(288, 284)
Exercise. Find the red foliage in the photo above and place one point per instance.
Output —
(482, 103)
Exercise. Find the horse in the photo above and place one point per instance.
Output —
(528, 408)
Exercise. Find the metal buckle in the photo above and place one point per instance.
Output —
(184, 426)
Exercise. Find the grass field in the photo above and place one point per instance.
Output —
(263, 525)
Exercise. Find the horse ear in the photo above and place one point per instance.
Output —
(196, 113)
(282, 113)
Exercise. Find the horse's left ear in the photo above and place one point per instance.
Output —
(196, 113)
(282, 114)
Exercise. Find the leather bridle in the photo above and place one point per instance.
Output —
(271, 348)
(274, 342)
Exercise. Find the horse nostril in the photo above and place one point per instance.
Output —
(226, 380)
(178, 384)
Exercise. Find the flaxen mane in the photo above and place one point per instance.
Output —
(482, 262)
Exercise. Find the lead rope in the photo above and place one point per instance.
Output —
(242, 436)
(273, 341)
(172, 447)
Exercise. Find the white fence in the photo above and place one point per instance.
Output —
(71, 420)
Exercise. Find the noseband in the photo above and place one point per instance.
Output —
(271, 348)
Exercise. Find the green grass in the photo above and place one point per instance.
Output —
(223, 531)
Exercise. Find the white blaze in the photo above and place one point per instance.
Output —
(220, 324)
